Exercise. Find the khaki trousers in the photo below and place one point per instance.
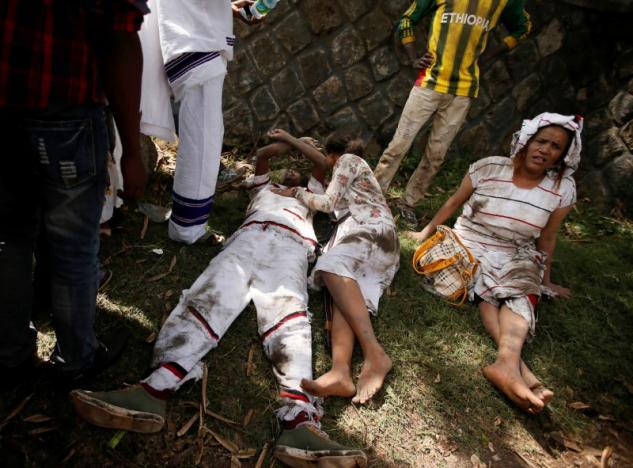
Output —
(450, 113)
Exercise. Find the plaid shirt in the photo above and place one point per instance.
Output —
(47, 57)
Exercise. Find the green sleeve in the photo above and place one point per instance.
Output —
(412, 16)
(517, 22)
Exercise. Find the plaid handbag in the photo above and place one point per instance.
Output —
(447, 265)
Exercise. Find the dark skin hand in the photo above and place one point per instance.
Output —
(121, 64)
(425, 61)
(239, 4)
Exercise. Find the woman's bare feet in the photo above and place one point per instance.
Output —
(543, 393)
(372, 377)
(333, 383)
(534, 384)
(510, 382)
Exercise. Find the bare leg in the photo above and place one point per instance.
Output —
(490, 318)
(338, 381)
(505, 373)
(350, 301)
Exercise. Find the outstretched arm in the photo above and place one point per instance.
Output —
(451, 205)
(264, 154)
(309, 151)
(547, 243)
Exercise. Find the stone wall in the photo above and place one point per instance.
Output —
(316, 65)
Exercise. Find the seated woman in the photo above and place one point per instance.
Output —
(357, 265)
(513, 208)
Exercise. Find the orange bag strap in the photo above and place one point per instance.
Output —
(424, 247)
(437, 265)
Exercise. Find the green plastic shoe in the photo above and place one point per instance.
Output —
(131, 409)
(307, 446)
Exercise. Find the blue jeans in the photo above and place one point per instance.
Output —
(52, 183)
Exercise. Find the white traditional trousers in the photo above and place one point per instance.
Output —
(450, 112)
(260, 264)
(201, 131)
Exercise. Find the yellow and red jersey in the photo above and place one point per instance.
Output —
(458, 35)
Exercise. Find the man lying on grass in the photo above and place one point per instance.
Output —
(265, 261)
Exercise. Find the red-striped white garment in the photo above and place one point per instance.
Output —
(500, 223)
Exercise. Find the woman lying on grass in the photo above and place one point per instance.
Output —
(513, 208)
(357, 265)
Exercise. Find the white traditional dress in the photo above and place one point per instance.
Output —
(365, 245)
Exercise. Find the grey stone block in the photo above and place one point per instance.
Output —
(596, 121)
(621, 107)
(375, 110)
(358, 81)
(267, 55)
(314, 67)
(322, 15)
(286, 87)
(624, 64)
(619, 175)
(293, 32)
(606, 147)
(243, 74)
(263, 104)
(383, 63)
(345, 119)
(374, 27)
(479, 104)
(626, 133)
(348, 47)
(355, 8)
(303, 115)
(399, 88)
(330, 95)
(523, 60)
(553, 70)
(550, 39)
(395, 8)
(501, 115)
(475, 140)
(240, 122)
(497, 80)
(527, 92)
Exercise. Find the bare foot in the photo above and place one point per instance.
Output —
(534, 384)
(332, 383)
(510, 382)
(371, 378)
(543, 393)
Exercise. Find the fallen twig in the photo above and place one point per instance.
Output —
(262, 456)
(184, 429)
(145, 225)
(606, 454)
(16, 410)
(249, 362)
(205, 379)
(227, 444)
(525, 460)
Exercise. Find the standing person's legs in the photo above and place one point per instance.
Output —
(19, 199)
(505, 373)
(348, 297)
(195, 326)
(201, 131)
(71, 151)
(417, 110)
(450, 116)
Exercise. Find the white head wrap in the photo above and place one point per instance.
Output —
(531, 127)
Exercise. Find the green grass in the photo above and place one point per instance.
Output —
(436, 408)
